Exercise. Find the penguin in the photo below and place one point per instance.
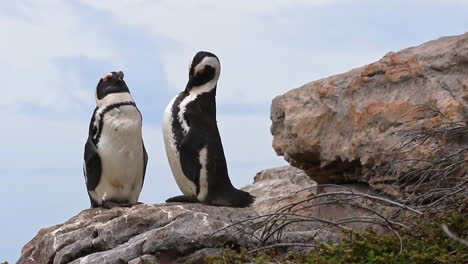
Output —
(115, 157)
(193, 143)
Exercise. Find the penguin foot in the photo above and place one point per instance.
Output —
(183, 199)
(111, 204)
(235, 198)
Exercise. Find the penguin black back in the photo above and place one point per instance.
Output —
(193, 143)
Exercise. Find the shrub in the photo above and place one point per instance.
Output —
(425, 242)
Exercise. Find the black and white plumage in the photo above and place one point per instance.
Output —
(114, 157)
(193, 143)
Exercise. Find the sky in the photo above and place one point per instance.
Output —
(53, 53)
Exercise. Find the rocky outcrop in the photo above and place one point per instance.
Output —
(165, 233)
(278, 187)
(281, 187)
(168, 233)
(177, 233)
(338, 128)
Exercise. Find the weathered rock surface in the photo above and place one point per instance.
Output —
(278, 187)
(175, 233)
(167, 232)
(338, 128)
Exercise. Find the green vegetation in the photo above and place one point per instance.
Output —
(425, 242)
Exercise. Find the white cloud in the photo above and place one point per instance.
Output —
(256, 63)
(36, 35)
(29, 142)
(461, 2)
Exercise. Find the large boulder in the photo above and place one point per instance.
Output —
(338, 128)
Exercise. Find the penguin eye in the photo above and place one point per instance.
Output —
(198, 73)
(204, 71)
(94, 130)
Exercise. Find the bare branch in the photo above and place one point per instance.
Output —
(453, 236)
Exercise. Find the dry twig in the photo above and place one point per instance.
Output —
(453, 236)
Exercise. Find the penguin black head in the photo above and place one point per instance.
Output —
(204, 68)
(112, 82)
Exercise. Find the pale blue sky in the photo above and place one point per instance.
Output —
(52, 53)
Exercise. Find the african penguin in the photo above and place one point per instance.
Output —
(193, 143)
(115, 157)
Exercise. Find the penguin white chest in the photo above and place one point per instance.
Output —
(185, 185)
(121, 151)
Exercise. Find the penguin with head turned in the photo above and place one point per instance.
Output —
(114, 157)
(193, 143)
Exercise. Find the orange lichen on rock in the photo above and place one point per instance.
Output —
(354, 117)
(398, 67)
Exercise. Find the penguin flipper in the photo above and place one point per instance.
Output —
(183, 199)
(145, 162)
(189, 156)
(92, 165)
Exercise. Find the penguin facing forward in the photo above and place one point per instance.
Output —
(115, 157)
(193, 143)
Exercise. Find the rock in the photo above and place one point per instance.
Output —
(277, 187)
(173, 233)
(358, 207)
(146, 259)
(164, 233)
(180, 233)
(199, 256)
(338, 128)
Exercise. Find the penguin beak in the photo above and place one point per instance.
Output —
(189, 84)
(119, 75)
